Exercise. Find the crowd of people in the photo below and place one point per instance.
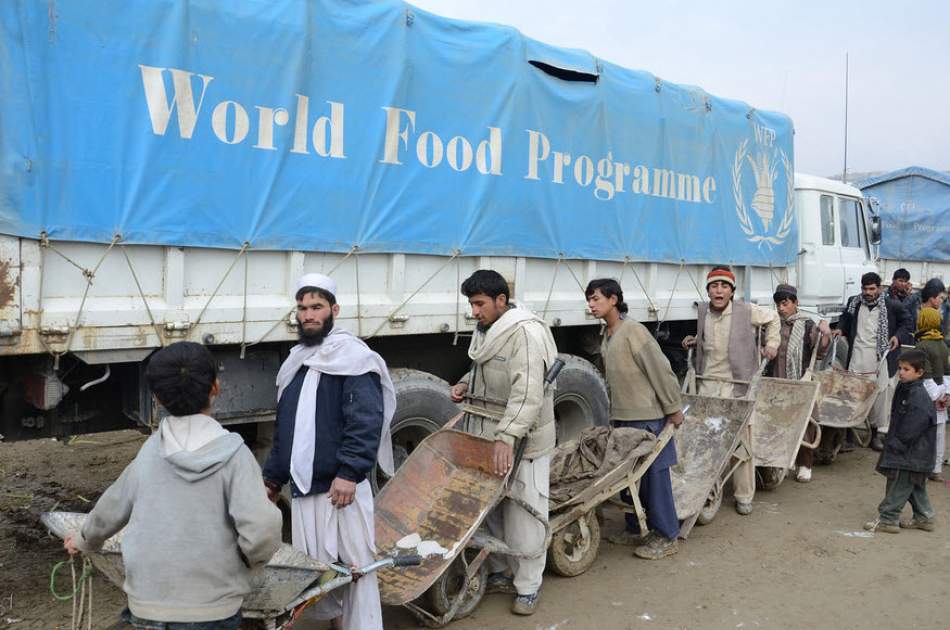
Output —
(201, 513)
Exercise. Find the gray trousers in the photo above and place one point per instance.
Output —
(899, 491)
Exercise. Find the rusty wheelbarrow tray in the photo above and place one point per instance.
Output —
(290, 581)
(443, 492)
(575, 529)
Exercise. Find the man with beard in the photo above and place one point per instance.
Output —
(874, 325)
(727, 346)
(512, 350)
(335, 401)
(902, 290)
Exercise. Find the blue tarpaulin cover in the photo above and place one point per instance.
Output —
(320, 125)
(915, 213)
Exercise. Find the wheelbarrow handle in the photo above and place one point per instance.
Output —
(552, 373)
(412, 560)
(814, 444)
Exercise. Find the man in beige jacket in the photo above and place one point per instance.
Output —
(727, 347)
(511, 351)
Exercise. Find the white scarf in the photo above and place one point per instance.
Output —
(485, 345)
(340, 354)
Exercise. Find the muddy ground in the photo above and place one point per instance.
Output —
(800, 560)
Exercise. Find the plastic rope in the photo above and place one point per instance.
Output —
(86, 572)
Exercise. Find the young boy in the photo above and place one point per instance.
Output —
(198, 516)
(799, 340)
(909, 450)
(644, 394)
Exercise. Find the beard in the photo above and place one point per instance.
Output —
(316, 337)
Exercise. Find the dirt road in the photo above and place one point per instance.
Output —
(801, 560)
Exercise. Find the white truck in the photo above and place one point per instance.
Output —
(141, 215)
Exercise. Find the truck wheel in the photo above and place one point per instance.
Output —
(580, 400)
(423, 405)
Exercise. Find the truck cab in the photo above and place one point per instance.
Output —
(835, 243)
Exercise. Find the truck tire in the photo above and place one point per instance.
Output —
(580, 400)
(423, 405)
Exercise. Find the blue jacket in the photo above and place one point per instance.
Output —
(349, 417)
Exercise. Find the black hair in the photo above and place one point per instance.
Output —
(778, 296)
(181, 376)
(901, 274)
(608, 288)
(932, 289)
(326, 295)
(486, 282)
(915, 358)
(870, 278)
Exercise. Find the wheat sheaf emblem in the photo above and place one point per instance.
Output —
(765, 173)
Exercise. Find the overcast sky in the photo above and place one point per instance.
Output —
(784, 56)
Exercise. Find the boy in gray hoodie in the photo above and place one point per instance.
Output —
(193, 498)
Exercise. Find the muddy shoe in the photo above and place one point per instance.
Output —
(935, 477)
(658, 547)
(627, 537)
(804, 474)
(500, 583)
(925, 524)
(744, 508)
(525, 604)
(877, 525)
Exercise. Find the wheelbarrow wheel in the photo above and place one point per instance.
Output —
(574, 548)
(769, 477)
(452, 585)
(711, 508)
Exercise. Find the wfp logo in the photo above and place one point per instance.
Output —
(761, 162)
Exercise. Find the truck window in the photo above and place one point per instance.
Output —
(849, 222)
(827, 220)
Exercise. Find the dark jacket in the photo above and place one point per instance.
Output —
(898, 324)
(911, 442)
(349, 417)
(911, 302)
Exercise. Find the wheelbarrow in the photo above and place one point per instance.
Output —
(575, 528)
(710, 436)
(780, 417)
(443, 494)
(290, 581)
(844, 401)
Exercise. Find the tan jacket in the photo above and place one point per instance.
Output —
(509, 363)
(641, 381)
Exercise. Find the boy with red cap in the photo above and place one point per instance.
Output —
(727, 347)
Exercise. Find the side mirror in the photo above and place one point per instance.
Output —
(875, 230)
(874, 207)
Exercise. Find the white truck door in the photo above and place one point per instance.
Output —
(10, 313)
(852, 237)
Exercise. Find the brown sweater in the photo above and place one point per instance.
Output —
(642, 384)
